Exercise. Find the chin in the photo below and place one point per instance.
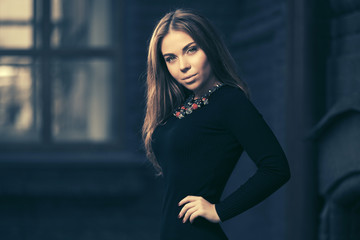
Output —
(192, 86)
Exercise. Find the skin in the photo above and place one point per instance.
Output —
(197, 206)
(188, 65)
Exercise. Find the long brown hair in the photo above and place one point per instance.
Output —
(164, 94)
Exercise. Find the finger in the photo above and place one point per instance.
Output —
(194, 215)
(189, 213)
(187, 199)
(186, 208)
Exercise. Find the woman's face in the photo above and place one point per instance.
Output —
(187, 62)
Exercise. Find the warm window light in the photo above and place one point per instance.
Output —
(16, 26)
(7, 71)
(4, 82)
(16, 10)
(6, 75)
(11, 75)
(15, 93)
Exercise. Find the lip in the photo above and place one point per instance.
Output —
(188, 77)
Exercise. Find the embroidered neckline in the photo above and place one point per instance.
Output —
(192, 104)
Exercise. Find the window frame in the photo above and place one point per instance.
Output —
(44, 54)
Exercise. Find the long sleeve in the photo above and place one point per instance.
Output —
(244, 121)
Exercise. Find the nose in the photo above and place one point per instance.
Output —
(184, 65)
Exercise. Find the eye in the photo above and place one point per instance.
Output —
(192, 49)
(169, 59)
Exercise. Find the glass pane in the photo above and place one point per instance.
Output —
(16, 10)
(16, 28)
(82, 100)
(16, 37)
(81, 23)
(18, 100)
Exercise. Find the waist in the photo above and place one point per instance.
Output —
(199, 229)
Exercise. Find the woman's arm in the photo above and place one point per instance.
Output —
(257, 139)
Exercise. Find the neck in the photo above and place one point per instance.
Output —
(212, 83)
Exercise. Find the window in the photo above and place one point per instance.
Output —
(59, 71)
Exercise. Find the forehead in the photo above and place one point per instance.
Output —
(175, 41)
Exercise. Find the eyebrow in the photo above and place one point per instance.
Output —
(184, 49)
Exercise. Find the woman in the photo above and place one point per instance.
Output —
(198, 122)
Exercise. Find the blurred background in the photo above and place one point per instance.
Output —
(72, 79)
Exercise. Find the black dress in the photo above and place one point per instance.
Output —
(199, 152)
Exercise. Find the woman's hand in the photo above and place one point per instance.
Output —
(197, 206)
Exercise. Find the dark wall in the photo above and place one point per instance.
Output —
(323, 120)
(338, 131)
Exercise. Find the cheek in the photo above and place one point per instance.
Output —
(207, 68)
(202, 63)
(172, 70)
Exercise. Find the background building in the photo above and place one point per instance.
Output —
(72, 79)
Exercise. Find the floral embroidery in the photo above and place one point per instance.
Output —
(192, 104)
